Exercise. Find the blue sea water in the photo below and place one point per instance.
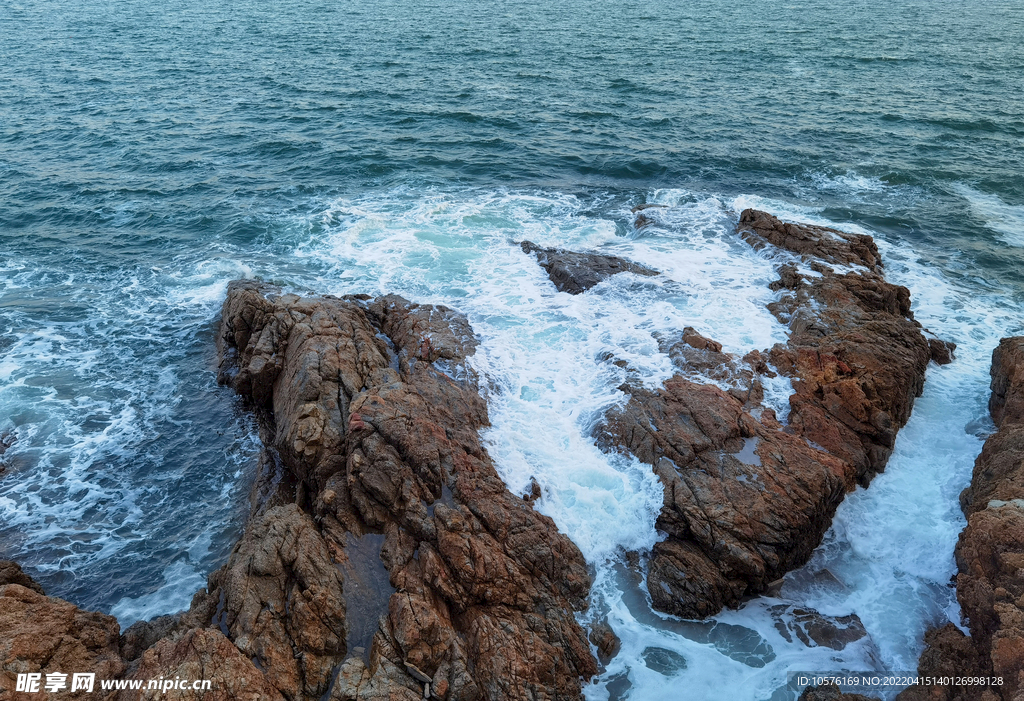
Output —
(150, 152)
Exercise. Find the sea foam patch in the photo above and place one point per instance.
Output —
(1005, 219)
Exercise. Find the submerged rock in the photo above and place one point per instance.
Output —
(989, 556)
(576, 273)
(746, 498)
(815, 629)
(831, 692)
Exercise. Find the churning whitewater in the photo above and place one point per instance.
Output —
(544, 360)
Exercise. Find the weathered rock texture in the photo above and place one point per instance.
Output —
(747, 498)
(831, 692)
(576, 273)
(989, 556)
(384, 559)
(375, 418)
(42, 634)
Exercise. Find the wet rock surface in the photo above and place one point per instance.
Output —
(942, 351)
(989, 555)
(746, 497)
(814, 629)
(576, 273)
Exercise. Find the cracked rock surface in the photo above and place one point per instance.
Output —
(748, 498)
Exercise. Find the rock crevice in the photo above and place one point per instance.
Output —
(748, 498)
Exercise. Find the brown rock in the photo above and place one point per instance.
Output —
(576, 273)
(811, 242)
(375, 416)
(942, 351)
(989, 555)
(606, 641)
(201, 655)
(11, 573)
(42, 634)
(747, 499)
(1007, 401)
(280, 599)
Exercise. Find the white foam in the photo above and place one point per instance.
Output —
(541, 349)
(180, 578)
(1006, 219)
(544, 360)
(108, 400)
(892, 544)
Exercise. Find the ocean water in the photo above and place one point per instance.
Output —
(150, 152)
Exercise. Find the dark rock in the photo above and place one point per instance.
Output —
(142, 635)
(942, 351)
(831, 692)
(814, 629)
(576, 273)
(641, 219)
(7, 439)
(11, 573)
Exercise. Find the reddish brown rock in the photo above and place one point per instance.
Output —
(43, 634)
(812, 243)
(384, 559)
(989, 556)
(375, 417)
(746, 498)
(576, 273)
(855, 353)
(200, 655)
(942, 351)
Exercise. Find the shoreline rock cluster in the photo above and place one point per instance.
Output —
(747, 497)
(989, 557)
(990, 563)
(384, 558)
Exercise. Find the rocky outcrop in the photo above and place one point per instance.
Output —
(989, 556)
(746, 497)
(384, 558)
(375, 417)
(855, 353)
(40, 634)
(576, 273)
